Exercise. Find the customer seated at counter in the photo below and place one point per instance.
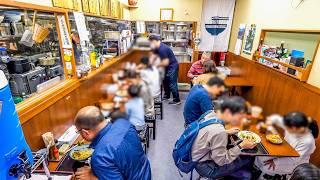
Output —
(210, 146)
(200, 97)
(134, 108)
(145, 91)
(210, 71)
(150, 74)
(300, 133)
(118, 153)
(197, 68)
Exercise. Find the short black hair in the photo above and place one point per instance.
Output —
(154, 37)
(235, 104)
(306, 171)
(131, 74)
(299, 119)
(89, 117)
(145, 60)
(216, 81)
(117, 114)
(134, 90)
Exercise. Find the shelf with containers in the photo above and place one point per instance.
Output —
(106, 38)
(31, 52)
(291, 52)
(179, 36)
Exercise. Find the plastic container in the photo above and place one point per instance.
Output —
(13, 141)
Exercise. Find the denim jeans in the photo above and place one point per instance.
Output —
(238, 169)
(170, 84)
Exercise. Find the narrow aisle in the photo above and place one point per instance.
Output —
(160, 152)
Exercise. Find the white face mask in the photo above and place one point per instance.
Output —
(153, 46)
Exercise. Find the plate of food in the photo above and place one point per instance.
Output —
(274, 138)
(249, 135)
(81, 153)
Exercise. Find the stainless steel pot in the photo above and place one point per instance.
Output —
(47, 61)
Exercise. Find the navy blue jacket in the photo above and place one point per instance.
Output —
(197, 103)
(118, 153)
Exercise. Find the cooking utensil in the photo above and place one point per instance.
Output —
(47, 61)
(40, 33)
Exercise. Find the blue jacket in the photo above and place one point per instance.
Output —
(118, 153)
(197, 103)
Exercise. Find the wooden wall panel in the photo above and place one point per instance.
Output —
(59, 116)
(183, 71)
(277, 92)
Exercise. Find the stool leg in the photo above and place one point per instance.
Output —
(154, 130)
(161, 111)
(148, 134)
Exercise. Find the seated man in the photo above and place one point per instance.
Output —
(200, 97)
(118, 153)
(197, 67)
(210, 146)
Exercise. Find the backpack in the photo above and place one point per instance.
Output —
(182, 149)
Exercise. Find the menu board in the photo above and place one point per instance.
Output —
(65, 38)
(63, 4)
(115, 8)
(104, 7)
(85, 6)
(77, 5)
(94, 6)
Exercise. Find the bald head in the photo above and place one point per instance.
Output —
(88, 117)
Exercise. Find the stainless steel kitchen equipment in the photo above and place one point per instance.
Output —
(26, 83)
(19, 65)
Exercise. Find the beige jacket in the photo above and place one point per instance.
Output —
(211, 144)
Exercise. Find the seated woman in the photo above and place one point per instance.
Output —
(300, 133)
(210, 71)
(134, 108)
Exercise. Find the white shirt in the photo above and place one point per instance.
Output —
(152, 78)
(303, 144)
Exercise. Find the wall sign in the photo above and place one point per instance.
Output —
(81, 26)
(249, 39)
(166, 14)
(216, 24)
(65, 37)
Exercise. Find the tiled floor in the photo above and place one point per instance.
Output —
(160, 152)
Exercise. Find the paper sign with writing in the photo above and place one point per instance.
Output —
(65, 37)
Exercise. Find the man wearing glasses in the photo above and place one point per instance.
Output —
(118, 153)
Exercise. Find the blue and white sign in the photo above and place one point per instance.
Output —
(216, 24)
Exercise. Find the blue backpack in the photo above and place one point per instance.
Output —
(182, 150)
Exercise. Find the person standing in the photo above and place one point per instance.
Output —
(169, 61)
(118, 153)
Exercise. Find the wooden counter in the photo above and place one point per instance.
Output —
(277, 92)
(54, 109)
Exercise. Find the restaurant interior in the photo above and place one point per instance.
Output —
(252, 67)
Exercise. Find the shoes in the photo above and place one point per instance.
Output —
(175, 103)
(165, 98)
